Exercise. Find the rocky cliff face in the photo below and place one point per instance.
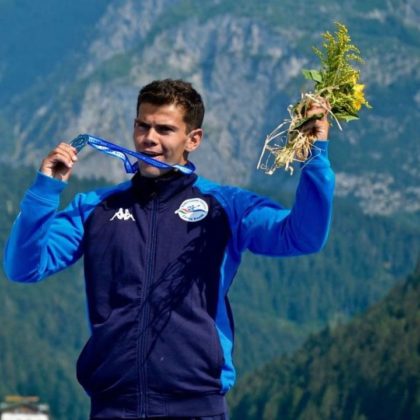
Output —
(246, 60)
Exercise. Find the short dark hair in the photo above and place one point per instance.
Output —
(178, 92)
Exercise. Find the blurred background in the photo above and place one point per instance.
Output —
(329, 336)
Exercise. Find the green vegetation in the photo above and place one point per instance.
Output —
(368, 369)
(43, 326)
(336, 91)
(116, 67)
(362, 259)
(277, 303)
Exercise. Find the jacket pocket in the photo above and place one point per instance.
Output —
(108, 362)
(186, 359)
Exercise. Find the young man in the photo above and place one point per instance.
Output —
(160, 253)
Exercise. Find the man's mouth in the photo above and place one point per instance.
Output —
(152, 154)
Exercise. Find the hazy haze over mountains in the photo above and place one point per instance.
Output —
(245, 57)
(71, 67)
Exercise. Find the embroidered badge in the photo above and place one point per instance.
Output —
(193, 210)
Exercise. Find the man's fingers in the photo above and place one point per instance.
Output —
(63, 153)
(59, 162)
(319, 106)
(319, 127)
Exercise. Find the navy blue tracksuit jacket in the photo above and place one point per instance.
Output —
(159, 258)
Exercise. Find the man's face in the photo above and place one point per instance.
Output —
(160, 132)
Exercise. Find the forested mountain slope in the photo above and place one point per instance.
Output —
(368, 369)
(86, 61)
(276, 302)
(72, 67)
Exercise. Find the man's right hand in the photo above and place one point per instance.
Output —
(59, 162)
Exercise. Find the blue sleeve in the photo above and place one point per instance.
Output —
(267, 228)
(42, 240)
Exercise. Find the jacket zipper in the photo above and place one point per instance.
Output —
(146, 312)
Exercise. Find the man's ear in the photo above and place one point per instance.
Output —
(194, 140)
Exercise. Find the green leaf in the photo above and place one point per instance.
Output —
(314, 75)
(346, 117)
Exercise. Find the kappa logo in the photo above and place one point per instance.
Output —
(122, 214)
(193, 210)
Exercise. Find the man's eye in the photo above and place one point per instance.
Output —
(164, 129)
(142, 126)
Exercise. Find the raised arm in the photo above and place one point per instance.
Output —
(268, 229)
(43, 241)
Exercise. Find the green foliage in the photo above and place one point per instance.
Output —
(277, 303)
(337, 79)
(285, 299)
(336, 92)
(44, 326)
(365, 370)
(116, 67)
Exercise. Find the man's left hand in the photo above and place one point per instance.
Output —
(318, 128)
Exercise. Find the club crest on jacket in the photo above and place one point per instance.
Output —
(193, 210)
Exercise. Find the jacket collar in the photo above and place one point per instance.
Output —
(163, 187)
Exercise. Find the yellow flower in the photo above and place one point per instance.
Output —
(354, 78)
(358, 96)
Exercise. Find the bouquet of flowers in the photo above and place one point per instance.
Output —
(336, 84)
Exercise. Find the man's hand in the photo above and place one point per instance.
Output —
(59, 162)
(317, 128)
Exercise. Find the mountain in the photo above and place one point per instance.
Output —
(245, 56)
(36, 38)
(278, 302)
(43, 326)
(368, 369)
(77, 66)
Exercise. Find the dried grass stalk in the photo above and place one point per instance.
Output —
(335, 83)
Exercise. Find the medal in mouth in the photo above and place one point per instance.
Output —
(122, 153)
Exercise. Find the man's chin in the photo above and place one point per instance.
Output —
(150, 171)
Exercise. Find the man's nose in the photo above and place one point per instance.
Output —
(150, 136)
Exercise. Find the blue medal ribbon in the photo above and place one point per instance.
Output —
(122, 153)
